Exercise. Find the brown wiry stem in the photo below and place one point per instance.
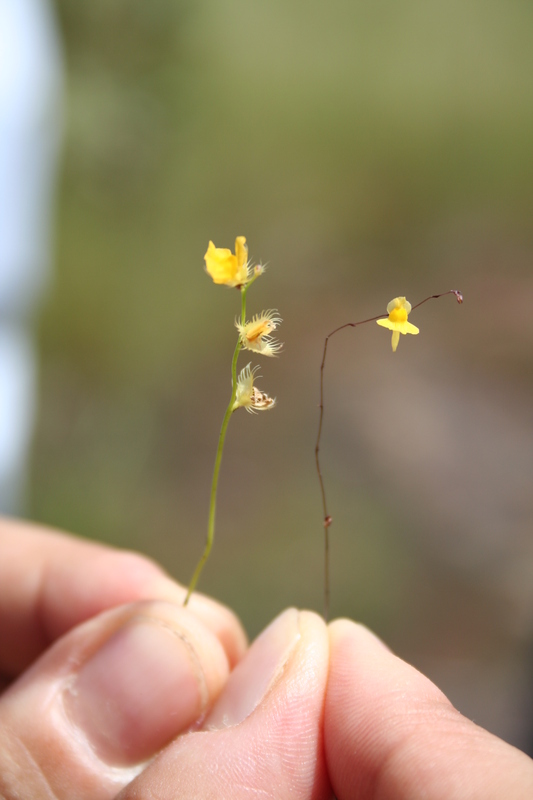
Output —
(327, 517)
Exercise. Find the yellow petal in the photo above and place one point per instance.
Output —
(395, 340)
(407, 327)
(401, 327)
(386, 323)
(221, 264)
(399, 302)
(226, 268)
(241, 250)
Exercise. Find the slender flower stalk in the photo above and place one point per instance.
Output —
(218, 461)
(396, 320)
(234, 271)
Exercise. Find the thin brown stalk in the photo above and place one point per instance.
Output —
(327, 519)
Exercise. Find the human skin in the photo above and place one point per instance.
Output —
(113, 690)
(94, 639)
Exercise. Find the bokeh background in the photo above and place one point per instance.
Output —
(366, 150)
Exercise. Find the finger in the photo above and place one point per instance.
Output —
(50, 582)
(263, 737)
(391, 734)
(104, 699)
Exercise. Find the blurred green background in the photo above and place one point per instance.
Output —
(366, 150)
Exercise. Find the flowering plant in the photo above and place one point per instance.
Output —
(396, 320)
(236, 271)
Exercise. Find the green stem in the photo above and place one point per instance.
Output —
(218, 457)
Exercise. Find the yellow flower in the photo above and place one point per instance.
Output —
(248, 396)
(227, 268)
(255, 335)
(398, 311)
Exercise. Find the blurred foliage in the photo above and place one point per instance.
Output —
(365, 150)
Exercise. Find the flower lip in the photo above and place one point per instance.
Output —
(398, 311)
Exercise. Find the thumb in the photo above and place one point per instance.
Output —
(391, 733)
(263, 737)
(105, 698)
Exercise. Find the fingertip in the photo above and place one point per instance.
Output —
(154, 677)
(264, 735)
(293, 639)
(111, 693)
(344, 629)
(225, 625)
(389, 731)
(124, 576)
(265, 661)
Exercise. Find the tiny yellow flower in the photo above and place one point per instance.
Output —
(255, 335)
(398, 311)
(227, 268)
(248, 396)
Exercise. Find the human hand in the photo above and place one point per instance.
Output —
(371, 727)
(80, 714)
(283, 727)
(391, 734)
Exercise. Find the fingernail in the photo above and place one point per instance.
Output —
(253, 676)
(142, 688)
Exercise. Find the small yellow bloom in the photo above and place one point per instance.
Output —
(255, 335)
(227, 268)
(248, 396)
(398, 311)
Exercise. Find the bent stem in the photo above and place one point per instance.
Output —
(327, 519)
(218, 457)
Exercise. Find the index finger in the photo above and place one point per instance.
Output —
(50, 582)
(391, 734)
